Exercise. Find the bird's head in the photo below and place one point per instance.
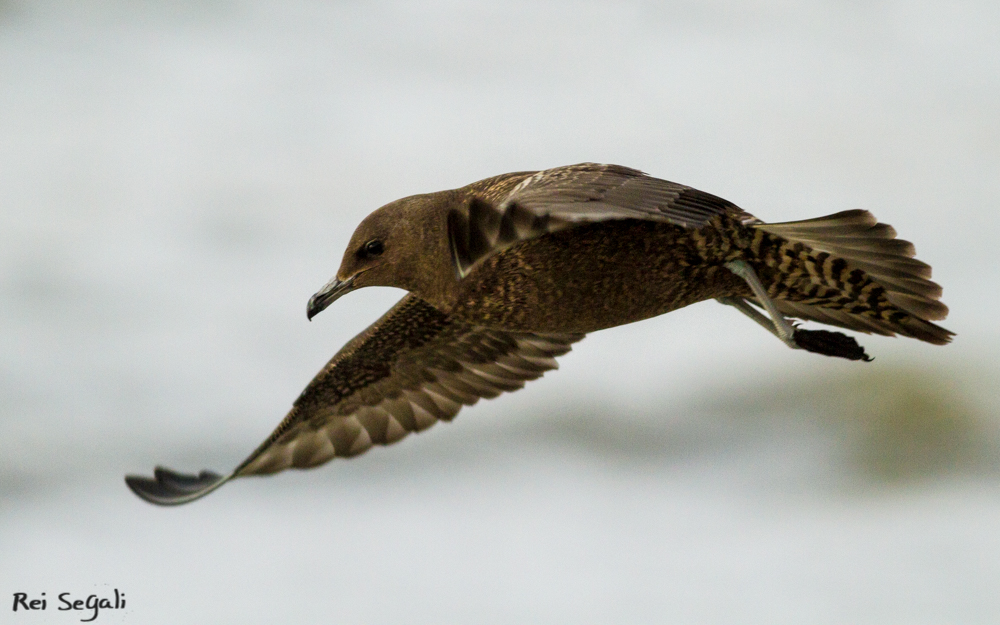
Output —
(397, 245)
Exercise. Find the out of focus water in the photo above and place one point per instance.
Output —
(177, 178)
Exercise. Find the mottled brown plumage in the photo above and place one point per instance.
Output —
(506, 273)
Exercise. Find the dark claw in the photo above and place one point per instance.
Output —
(830, 344)
(169, 488)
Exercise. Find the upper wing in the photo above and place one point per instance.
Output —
(555, 199)
(409, 369)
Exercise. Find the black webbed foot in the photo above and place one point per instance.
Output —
(830, 344)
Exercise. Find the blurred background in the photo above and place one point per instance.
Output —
(177, 178)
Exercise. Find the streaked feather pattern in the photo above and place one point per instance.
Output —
(418, 365)
(412, 368)
(555, 199)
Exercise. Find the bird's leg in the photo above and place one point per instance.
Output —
(818, 341)
(777, 324)
(747, 309)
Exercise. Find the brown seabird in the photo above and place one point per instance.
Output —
(505, 274)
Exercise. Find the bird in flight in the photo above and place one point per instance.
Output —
(505, 274)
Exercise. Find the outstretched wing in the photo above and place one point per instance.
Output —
(408, 370)
(559, 198)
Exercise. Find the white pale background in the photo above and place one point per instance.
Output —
(177, 178)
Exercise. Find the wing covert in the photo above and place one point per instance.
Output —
(413, 367)
(562, 197)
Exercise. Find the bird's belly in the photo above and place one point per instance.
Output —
(593, 277)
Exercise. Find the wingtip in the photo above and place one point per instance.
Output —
(169, 488)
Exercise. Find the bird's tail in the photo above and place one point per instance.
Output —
(848, 270)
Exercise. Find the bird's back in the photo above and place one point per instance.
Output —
(595, 276)
(846, 270)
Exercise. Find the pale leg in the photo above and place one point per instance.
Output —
(777, 324)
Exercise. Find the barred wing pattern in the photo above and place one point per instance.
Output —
(408, 370)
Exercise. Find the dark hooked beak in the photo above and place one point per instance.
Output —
(328, 294)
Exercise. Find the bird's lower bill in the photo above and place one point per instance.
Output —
(328, 294)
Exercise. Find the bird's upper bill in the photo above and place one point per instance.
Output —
(328, 294)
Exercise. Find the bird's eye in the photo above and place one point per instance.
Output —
(372, 248)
